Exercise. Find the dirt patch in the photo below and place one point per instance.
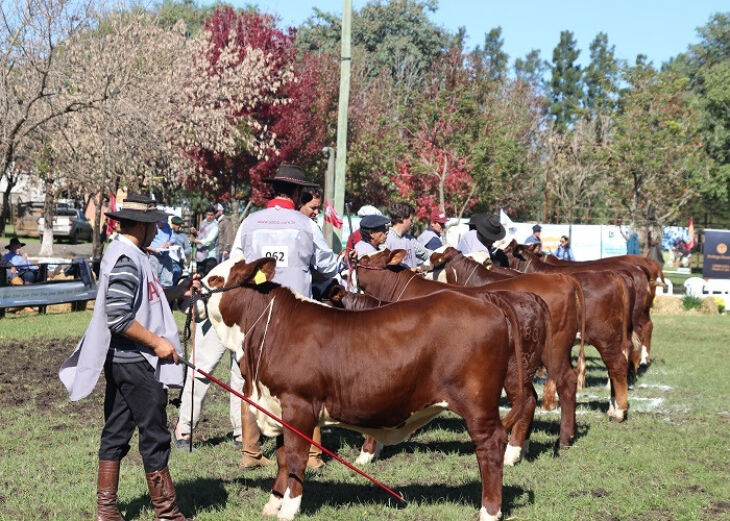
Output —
(662, 514)
(600, 492)
(717, 508)
(29, 374)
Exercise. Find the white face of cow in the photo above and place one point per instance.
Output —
(221, 270)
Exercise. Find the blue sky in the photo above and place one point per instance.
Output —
(660, 29)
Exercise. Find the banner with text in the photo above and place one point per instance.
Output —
(716, 263)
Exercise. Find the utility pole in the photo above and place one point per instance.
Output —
(329, 192)
(341, 164)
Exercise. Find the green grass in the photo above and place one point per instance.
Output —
(668, 462)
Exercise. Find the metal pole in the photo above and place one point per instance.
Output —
(329, 190)
(341, 164)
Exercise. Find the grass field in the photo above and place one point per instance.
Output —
(670, 461)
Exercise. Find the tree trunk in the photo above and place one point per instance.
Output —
(49, 205)
(97, 246)
(6, 205)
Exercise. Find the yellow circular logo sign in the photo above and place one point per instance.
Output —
(722, 248)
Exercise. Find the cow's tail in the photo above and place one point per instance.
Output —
(581, 373)
(514, 325)
(627, 331)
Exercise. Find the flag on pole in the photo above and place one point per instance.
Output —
(330, 215)
(691, 240)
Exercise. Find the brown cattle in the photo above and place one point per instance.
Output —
(651, 271)
(564, 313)
(535, 324)
(607, 325)
(608, 322)
(524, 259)
(298, 362)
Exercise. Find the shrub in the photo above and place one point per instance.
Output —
(690, 302)
(720, 304)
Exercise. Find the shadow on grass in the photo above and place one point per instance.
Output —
(319, 493)
(194, 496)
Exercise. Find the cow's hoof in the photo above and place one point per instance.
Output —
(271, 508)
(364, 458)
(484, 516)
(289, 507)
(512, 455)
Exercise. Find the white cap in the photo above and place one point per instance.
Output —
(368, 210)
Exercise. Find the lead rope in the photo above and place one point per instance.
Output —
(266, 329)
(405, 287)
(472, 273)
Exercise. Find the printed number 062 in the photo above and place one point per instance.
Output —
(277, 255)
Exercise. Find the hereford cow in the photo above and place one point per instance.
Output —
(562, 295)
(636, 277)
(608, 324)
(535, 324)
(380, 277)
(652, 273)
(298, 363)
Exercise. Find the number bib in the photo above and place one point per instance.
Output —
(279, 253)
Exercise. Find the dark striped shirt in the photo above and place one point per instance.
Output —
(120, 310)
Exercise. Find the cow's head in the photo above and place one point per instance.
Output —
(440, 259)
(254, 274)
(382, 259)
(334, 294)
(215, 279)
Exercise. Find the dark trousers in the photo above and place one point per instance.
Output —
(205, 266)
(135, 399)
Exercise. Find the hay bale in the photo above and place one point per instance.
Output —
(668, 305)
(59, 308)
(709, 307)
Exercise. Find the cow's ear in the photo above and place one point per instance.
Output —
(396, 257)
(264, 271)
(511, 246)
(518, 251)
(437, 259)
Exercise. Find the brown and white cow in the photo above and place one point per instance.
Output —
(636, 277)
(646, 274)
(533, 317)
(562, 296)
(609, 327)
(381, 277)
(298, 363)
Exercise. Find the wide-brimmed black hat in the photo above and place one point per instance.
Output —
(488, 226)
(13, 243)
(138, 208)
(290, 174)
(370, 222)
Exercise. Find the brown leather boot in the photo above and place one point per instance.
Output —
(250, 434)
(106, 492)
(162, 492)
(315, 453)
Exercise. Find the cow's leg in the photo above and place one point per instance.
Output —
(370, 451)
(567, 382)
(618, 372)
(282, 475)
(490, 439)
(560, 370)
(520, 433)
(645, 360)
(296, 451)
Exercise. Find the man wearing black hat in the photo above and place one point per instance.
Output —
(535, 237)
(21, 267)
(487, 230)
(281, 232)
(373, 233)
(134, 338)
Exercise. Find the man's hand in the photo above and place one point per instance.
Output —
(192, 284)
(164, 349)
